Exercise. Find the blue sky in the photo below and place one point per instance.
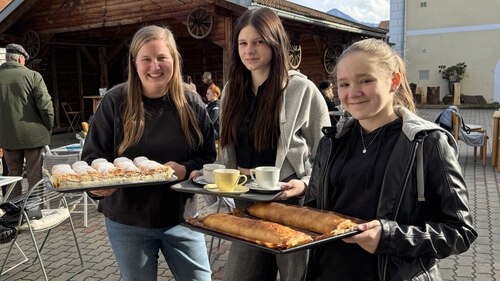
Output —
(372, 11)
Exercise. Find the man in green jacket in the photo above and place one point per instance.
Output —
(26, 116)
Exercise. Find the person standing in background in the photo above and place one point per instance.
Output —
(207, 82)
(5, 170)
(190, 86)
(26, 113)
(213, 107)
(326, 89)
(270, 117)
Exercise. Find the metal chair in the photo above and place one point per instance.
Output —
(74, 198)
(73, 117)
(51, 218)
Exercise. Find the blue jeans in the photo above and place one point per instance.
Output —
(137, 250)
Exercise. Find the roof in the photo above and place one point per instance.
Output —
(318, 18)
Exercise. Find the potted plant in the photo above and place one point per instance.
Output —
(453, 74)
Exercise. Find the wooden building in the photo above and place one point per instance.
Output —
(81, 46)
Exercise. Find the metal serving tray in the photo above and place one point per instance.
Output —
(192, 187)
(319, 239)
(106, 186)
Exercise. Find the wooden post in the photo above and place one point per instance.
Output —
(456, 93)
(422, 94)
(433, 95)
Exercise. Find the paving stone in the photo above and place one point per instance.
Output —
(480, 263)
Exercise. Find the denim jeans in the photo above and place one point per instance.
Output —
(250, 264)
(137, 251)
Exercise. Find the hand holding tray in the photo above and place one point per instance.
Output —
(241, 227)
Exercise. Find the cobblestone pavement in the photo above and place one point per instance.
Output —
(481, 262)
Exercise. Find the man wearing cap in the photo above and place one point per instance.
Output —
(207, 81)
(26, 116)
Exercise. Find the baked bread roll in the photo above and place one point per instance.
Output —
(302, 217)
(126, 166)
(269, 234)
(62, 174)
(101, 172)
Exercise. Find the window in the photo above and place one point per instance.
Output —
(423, 4)
(423, 75)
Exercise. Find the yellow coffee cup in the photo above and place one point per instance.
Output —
(227, 179)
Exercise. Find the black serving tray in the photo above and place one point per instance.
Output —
(192, 187)
(106, 186)
(318, 238)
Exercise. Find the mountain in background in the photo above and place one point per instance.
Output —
(340, 14)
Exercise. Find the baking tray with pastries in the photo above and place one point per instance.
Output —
(102, 174)
(277, 228)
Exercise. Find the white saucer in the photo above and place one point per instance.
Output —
(239, 189)
(200, 180)
(255, 187)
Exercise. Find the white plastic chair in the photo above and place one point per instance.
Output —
(51, 218)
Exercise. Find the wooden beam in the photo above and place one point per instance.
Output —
(226, 56)
(319, 45)
(80, 81)
(103, 68)
(55, 91)
(89, 57)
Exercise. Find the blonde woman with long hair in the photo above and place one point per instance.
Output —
(151, 115)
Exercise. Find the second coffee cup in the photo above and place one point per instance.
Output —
(267, 177)
(227, 179)
(208, 171)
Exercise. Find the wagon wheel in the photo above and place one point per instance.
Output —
(32, 43)
(295, 54)
(329, 57)
(199, 23)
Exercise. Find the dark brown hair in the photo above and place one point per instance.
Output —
(269, 26)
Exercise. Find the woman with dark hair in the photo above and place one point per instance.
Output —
(152, 115)
(326, 89)
(270, 117)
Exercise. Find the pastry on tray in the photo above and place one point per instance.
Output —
(102, 172)
(269, 234)
(302, 217)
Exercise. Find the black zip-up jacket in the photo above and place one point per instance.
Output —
(153, 206)
(414, 234)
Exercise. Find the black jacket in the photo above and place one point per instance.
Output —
(213, 110)
(414, 234)
(153, 206)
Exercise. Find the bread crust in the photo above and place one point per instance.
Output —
(302, 217)
(269, 234)
(102, 172)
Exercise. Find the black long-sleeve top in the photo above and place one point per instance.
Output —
(154, 206)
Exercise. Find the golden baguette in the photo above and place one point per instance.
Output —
(302, 217)
(269, 234)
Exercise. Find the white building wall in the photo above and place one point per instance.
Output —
(397, 25)
(447, 32)
(2, 55)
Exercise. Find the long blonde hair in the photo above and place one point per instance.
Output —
(388, 60)
(133, 116)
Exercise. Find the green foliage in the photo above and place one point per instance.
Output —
(453, 74)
